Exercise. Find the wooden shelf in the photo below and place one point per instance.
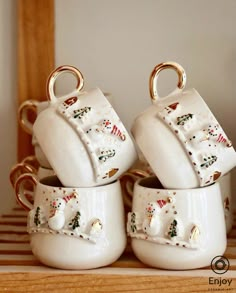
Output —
(21, 271)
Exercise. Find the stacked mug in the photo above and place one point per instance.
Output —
(38, 163)
(76, 220)
(177, 217)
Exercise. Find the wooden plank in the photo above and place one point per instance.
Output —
(35, 57)
(43, 282)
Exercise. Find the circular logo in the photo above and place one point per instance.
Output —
(220, 264)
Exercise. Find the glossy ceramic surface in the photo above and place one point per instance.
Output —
(182, 140)
(74, 228)
(176, 229)
(84, 139)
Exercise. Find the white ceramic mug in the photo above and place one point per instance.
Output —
(176, 229)
(27, 126)
(74, 228)
(226, 193)
(180, 138)
(82, 136)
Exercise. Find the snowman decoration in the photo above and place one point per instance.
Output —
(151, 224)
(106, 127)
(56, 219)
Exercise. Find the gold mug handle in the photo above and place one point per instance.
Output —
(23, 115)
(32, 161)
(128, 180)
(155, 73)
(18, 170)
(56, 73)
(19, 190)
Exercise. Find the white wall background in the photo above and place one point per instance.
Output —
(8, 100)
(116, 44)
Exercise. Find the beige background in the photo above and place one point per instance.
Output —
(8, 100)
(116, 44)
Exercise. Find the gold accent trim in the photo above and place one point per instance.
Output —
(32, 161)
(195, 233)
(20, 169)
(19, 190)
(156, 71)
(56, 73)
(23, 110)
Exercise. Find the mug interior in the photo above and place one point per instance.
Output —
(51, 181)
(150, 182)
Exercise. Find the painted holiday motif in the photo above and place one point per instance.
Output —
(208, 161)
(106, 154)
(107, 127)
(171, 231)
(56, 219)
(81, 113)
(75, 221)
(117, 132)
(37, 219)
(215, 176)
(199, 138)
(69, 102)
(37, 216)
(110, 173)
(133, 226)
(151, 223)
(96, 228)
(212, 129)
(184, 118)
(194, 233)
(172, 107)
(161, 202)
(224, 140)
(59, 216)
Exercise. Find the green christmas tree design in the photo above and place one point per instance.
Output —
(37, 217)
(173, 229)
(75, 221)
(183, 119)
(133, 224)
(80, 113)
(106, 155)
(208, 161)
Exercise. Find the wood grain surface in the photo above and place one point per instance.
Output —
(35, 57)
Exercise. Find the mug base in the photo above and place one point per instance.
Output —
(65, 252)
(175, 258)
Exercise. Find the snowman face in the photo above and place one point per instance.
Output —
(151, 209)
(212, 129)
(58, 204)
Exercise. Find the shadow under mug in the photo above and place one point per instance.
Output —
(176, 229)
(74, 228)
